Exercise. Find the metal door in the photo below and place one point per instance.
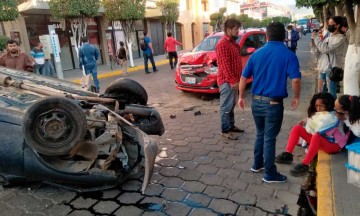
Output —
(157, 36)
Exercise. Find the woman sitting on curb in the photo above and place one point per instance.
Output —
(324, 130)
(349, 107)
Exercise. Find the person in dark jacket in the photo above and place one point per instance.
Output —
(291, 38)
(88, 55)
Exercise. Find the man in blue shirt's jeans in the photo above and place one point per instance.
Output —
(88, 55)
(270, 67)
(148, 54)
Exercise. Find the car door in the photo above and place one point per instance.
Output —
(251, 40)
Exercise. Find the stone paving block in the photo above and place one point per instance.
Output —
(222, 163)
(229, 173)
(182, 149)
(211, 179)
(202, 212)
(223, 206)
(58, 210)
(243, 198)
(80, 213)
(217, 192)
(197, 200)
(210, 141)
(190, 175)
(207, 169)
(105, 207)
(132, 185)
(169, 171)
(243, 167)
(80, 202)
(217, 155)
(56, 194)
(159, 202)
(154, 190)
(237, 159)
(187, 165)
(206, 135)
(250, 211)
(156, 178)
(235, 184)
(203, 129)
(171, 182)
(193, 138)
(166, 154)
(270, 204)
(191, 134)
(128, 211)
(200, 152)
(193, 186)
(263, 190)
(203, 160)
(130, 197)
(168, 162)
(252, 178)
(214, 148)
(29, 203)
(180, 143)
(287, 196)
(177, 209)
(6, 194)
(197, 145)
(185, 156)
(173, 194)
(112, 193)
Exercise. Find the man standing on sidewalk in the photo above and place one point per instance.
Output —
(270, 67)
(88, 55)
(39, 59)
(229, 64)
(15, 59)
(148, 53)
(170, 48)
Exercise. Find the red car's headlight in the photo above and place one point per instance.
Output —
(211, 70)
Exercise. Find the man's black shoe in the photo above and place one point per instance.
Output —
(299, 170)
(156, 70)
(285, 158)
(147, 72)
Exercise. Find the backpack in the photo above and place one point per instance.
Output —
(122, 53)
(143, 45)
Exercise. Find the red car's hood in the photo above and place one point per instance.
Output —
(206, 57)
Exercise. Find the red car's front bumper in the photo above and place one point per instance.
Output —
(200, 82)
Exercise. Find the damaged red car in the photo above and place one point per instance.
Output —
(197, 70)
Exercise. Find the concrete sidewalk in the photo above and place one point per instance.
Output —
(105, 71)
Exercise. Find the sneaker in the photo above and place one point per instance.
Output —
(229, 136)
(236, 129)
(278, 178)
(147, 72)
(299, 170)
(256, 170)
(285, 158)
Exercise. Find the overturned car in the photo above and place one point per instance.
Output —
(54, 132)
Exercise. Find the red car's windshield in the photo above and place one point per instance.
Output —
(209, 43)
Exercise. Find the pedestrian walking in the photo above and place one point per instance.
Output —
(229, 64)
(39, 59)
(324, 130)
(88, 55)
(122, 58)
(332, 51)
(15, 59)
(148, 53)
(270, 67)
(170, 48)
(291, 38)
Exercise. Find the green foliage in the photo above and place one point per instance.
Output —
(74, 8)
(3, 40)
(284, 20)
(222, 10)
(124, 10)
(8, 10)
(170, 12)
(217, 19)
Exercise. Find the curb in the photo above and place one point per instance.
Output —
(325, 187)
(119, 72)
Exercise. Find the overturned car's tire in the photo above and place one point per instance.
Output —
(54, 125)
(127, 91)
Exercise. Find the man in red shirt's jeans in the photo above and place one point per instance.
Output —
(229, 66)
(170, 47)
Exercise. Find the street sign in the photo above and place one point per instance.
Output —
(55, 41)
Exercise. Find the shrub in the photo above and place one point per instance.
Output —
(3, 40)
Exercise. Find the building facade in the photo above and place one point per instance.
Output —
(261, 10)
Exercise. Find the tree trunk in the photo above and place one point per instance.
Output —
(129, 44)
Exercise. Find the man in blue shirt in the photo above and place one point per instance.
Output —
(88, 55)
(39, 59)
(270, 67)
(148, 53)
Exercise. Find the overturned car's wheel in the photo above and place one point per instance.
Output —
(127, 91)
(54, 125)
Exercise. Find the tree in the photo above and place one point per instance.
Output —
(281, 19)
(217, 19)
(352, 59)
(77, 12)
(127, 12)
(170, 13)
(8, 10)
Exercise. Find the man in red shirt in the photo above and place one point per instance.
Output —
(229, 66)
(170, 47)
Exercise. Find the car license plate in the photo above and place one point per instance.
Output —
(190, 80)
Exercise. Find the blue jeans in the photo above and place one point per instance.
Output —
(151, 58)
(227, 105)
(92, 68)
(49, 69)
(329, 85)
(268, 119)
(39, 69)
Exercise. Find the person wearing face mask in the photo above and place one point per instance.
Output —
(229, 70)
(291, 38)
(15, 59)
(332, 51)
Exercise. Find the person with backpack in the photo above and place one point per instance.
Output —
(122, 59)
(148, 53)
(170, 48)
